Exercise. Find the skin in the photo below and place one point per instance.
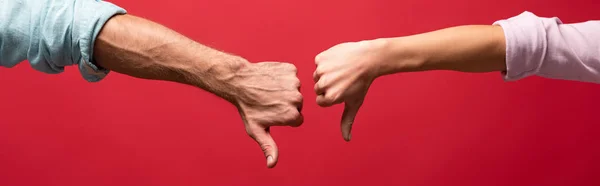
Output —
(266, 94)
(345, 71)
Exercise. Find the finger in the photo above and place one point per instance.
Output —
(263, 137)
(319, 71)
(319, 90)
(321, 85)
(319, 57)
(316, 76)
(300, 104)
(291, 117)
(297, 121)
(350, 111)
(323, 101)
(328, 99)
(296, 100)
(299, 107)
(291, 68)
(291, 83)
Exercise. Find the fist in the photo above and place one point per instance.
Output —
(268, 95)
(344, 73)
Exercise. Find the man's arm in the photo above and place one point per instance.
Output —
(140, 48)
(519, 47)
(266, 94)
(98, 36)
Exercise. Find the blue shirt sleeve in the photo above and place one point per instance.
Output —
(52, 34)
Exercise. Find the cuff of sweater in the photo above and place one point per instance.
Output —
(91, 17)
(525, 45)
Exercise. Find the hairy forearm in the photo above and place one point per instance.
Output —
(464, 48)
(140, 48)
(266, 93)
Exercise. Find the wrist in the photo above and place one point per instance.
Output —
(219, 77)
(398, 55)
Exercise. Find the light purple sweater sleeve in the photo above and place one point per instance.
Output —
(548, 48)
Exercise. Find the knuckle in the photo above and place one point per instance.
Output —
(319, 75)
(315, 76)
(292, 117)
(291, 67)
(327, 100)
(318, 58)
(298, 122)
(317, 88)
(323, 82)
(298, 95)
(331, 98)
(322, 102)
(297, 98)
(319, 70)
(297, 83)
(266, 147)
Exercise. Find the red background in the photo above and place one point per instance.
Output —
(430, 128)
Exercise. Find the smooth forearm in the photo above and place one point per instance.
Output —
(464, 48)
(140, 48)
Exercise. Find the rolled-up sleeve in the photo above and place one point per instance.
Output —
(549, 48)
(53, 34)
